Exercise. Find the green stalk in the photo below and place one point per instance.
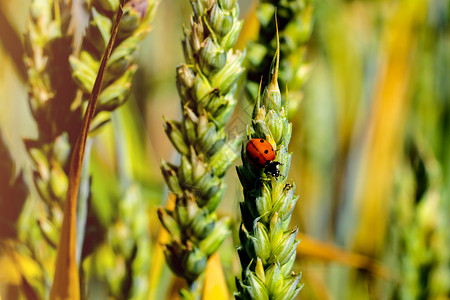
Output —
(295, 27)
(206, 86)
(267, 250)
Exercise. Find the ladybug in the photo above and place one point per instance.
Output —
(261, 155)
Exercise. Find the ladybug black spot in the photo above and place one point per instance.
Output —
(261, 141)
(266, 151)
(273, 169)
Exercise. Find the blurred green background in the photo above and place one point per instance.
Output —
(371, 157)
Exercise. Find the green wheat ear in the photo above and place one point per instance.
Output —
(206, 85)
(267, 250)
(53, 94)
(295, 21)
(121, 67)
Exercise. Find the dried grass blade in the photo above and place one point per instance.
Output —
(323, 251)
(66, 279)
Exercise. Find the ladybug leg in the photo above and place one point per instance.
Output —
(278, 148)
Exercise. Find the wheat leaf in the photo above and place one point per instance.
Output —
(66, 280)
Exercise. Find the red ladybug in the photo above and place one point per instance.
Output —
(261, 155)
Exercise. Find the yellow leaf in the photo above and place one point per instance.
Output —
(215, 286)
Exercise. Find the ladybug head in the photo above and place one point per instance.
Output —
(273, 169)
